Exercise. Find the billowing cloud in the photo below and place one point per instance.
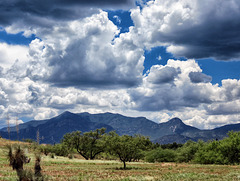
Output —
(181, 93)
(85, 53)
(44, 113)
(3, 98)
(11, 53)
(26, 98)
(230, 99)
(80, 61)
(201, 119)
(231, 89)
(202, 105)
(190, 28)
(227, 108)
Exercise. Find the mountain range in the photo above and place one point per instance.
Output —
(52, 130)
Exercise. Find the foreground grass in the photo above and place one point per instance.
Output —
(64, 169)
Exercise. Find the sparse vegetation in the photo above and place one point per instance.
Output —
(164, 160)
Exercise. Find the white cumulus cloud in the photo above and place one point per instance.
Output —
(190, 28)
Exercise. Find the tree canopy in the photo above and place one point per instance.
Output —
(127, 148)
(88, 145)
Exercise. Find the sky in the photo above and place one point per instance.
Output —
(158, 59)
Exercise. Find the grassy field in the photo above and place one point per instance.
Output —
(64, 169)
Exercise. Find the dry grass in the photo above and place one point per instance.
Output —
(64, 169)
(4, 142)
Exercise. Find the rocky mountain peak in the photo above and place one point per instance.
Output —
(176, 121)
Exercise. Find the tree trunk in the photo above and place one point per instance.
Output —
(124, 165)
(95, 154)
(82, 155)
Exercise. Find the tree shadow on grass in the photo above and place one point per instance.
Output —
(130, 168)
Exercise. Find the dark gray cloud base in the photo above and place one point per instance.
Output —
(198, 77)
(217, 39)
(223, 109)
(34, 11)
(163, 75)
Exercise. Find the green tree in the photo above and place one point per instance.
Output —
(88, 145)
(127, 148)
(230, 147)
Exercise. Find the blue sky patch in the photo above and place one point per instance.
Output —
(15, 39)
(121, 19)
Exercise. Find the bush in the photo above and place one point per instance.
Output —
(28, 140)
(226, 151)
(172, 146)
(60, 150)
(160, 155)
(187, 152)
(204, 156)
(45, 149)
(210, 153)
(34, 146)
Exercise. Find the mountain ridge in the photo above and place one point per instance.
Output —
(174, 130)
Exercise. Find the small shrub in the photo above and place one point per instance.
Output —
(70, 156)
(52, 155)
(26, 175)
(45, 149)
(28, 140)
(37, 167)
(34, 146)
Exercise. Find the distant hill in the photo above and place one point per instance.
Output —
(173, 138)
(52, 130)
